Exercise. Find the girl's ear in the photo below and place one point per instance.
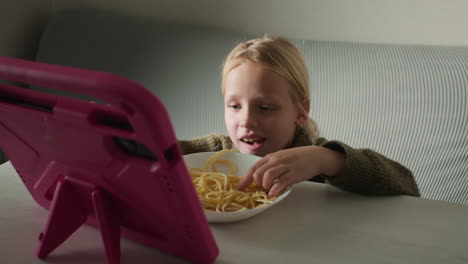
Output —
(307, 106)
(303, 116)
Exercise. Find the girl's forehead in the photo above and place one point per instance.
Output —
(255, 78)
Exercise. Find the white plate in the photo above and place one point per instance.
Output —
(243, 163)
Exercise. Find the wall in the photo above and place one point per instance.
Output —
(21, 24)
(434, 22)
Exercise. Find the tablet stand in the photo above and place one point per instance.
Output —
(72, 203)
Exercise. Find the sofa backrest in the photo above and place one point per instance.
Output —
(408, 102)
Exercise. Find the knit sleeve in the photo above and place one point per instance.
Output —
(370, 173)
(211, 142)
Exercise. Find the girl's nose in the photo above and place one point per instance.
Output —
(248, 120)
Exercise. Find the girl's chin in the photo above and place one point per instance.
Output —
(256, 149)
(255, 153)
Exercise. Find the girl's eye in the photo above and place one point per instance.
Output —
(235, 107)
(265, 108)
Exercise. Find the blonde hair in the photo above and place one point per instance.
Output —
(281, 56)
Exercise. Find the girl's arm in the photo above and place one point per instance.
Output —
(356, 170)
(368, 172)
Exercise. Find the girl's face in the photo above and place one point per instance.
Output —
(259, 113)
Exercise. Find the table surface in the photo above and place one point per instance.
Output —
(316, 223)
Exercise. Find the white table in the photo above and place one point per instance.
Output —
(316, 223)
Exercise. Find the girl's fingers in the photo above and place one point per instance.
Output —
(272, 175)
(260, 170)
(280, 186)
(249, 177)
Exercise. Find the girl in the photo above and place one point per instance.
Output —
(266, 96)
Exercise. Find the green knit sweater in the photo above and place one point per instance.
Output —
(366, 171)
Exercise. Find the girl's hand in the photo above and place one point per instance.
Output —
(277, 171)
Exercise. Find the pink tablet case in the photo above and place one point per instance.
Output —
(65, 150)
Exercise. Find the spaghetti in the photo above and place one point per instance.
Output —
(218, 191)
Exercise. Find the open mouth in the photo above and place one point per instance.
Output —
(253, 143)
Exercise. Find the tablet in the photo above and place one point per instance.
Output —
(82, 160)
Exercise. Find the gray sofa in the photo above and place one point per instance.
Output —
(408, 102)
